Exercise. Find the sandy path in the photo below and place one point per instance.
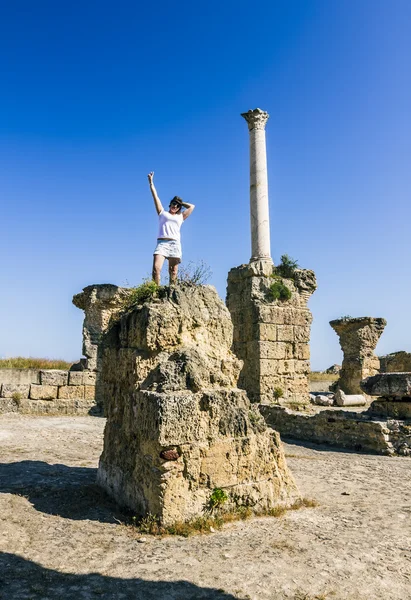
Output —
(59, 537)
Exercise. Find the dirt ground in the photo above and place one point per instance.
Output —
(60, 537)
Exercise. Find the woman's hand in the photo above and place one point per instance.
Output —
(150, 177)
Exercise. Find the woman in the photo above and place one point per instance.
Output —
(168, 240)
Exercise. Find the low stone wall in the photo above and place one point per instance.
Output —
(346, 429)
(321, 386)
(47, 391)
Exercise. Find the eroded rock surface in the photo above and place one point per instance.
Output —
(271, 336)
(358, 339)
(177, 425)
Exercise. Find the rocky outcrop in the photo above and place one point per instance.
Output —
(358, 339)
(271, 336)
(177, 425)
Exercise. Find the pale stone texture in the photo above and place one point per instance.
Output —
(271, 337)
(53, 377)
(19, 376)
(8, 390)
(355, 430)
(67, 392)
(342, 399)
(51, 407)
(358, 339)
(177, 425)
(259, 211)
(100, 303)
(43, 392)
(76, 378)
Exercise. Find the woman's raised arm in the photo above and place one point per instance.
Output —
(157, 201)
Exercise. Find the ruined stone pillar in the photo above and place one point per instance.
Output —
(178, 428)
(100, 303)
(271, 335)
(260, 220)
(358, 339)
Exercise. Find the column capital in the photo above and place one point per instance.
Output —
(256, 118)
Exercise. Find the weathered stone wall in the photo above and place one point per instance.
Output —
(396, 362)
(177, 425)
(47, 391)
(358, 339)
(271, 337)
(342, 428)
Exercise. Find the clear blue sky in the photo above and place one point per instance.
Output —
(95, 94)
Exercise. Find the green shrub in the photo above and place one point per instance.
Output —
(279, 291)
(16, 396)
(142, 293)
(287, 267)
(278, 393)
(217, 499)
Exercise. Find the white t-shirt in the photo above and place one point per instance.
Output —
(169, 225)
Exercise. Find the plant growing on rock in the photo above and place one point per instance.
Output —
(142, 293)
(194, 273)
(278, 393)
(287, 267)
(279, 291)
(217, 499)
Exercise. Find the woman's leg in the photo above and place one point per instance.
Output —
(158, 262)
(173, 269)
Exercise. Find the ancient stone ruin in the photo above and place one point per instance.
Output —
(44, 391)
(101, 303)
(358, 339)
(271, 336)
(396, 362)
(394, 394)
(178, 427)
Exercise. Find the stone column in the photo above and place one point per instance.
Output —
(260, 220)
(358, 339)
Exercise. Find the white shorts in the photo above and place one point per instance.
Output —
(169, 249)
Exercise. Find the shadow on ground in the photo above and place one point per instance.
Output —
(69, 492)
(22, 579)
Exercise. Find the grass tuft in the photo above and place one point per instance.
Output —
(150, 524)
(19, 362)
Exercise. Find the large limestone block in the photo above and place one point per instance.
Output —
(388, 385)
(17, 390)
(218, 441)
(53, 377)
(19, 376)
(177, 425)
(43, 392)
(67, 392)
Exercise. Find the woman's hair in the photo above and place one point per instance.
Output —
(178, 201)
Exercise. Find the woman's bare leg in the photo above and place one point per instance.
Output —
(158, 262)
(173, 269)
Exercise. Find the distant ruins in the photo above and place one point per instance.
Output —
(358, 339)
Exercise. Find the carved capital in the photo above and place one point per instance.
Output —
(256, 118)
